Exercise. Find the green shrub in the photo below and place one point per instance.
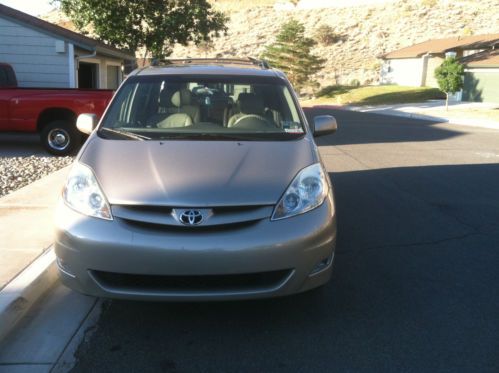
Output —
(354, 83)
(449, 77)
(332, 90)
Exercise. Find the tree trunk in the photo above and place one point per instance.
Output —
(144, 59)
(446, 101)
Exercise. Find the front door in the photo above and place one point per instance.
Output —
(88, 75)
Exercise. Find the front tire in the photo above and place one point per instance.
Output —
(60, 137)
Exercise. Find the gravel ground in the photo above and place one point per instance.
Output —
(17, 172)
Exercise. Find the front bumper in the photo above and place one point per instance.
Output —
(301, 248)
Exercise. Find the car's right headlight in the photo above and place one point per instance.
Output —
(83, 194)
(306, 192)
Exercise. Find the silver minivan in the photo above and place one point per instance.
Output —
(202, 181)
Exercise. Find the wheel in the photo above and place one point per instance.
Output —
(60, 137)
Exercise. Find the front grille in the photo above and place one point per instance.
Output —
(166, 228)
(222, 216)
(202, 283)
(146, 209)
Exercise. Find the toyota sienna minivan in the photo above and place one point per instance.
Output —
(202, 181)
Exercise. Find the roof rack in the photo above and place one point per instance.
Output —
(213, 61)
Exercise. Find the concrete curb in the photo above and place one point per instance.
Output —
(406, 115)
(25, 289)
(68, 359)
(481, 123)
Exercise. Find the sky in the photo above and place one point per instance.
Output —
(33, 7)
(38, 7)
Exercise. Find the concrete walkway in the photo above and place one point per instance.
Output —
(464, 113)
(26, 221)
(42, 323)
(47, 337)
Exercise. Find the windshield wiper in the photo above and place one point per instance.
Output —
(212, 136)
(128, 134)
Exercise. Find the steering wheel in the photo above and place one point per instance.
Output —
(252, 121)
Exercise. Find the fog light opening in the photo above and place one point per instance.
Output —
(322, 265)
(64, 268)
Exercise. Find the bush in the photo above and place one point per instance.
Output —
(467, 31)
(354, 83)
(429, 3)
(332, 90)
(326, 36)
(449, 77)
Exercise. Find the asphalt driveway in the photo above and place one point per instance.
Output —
(416, 282)
(21, 145)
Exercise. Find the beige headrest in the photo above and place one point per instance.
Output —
(181, 98)
(176, 99)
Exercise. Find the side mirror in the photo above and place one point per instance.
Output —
(86, 123)
(324, 125)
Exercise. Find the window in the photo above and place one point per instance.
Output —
(7, 76)
(113, 77)
(160, 107)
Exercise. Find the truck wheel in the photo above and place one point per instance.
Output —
(60, 137)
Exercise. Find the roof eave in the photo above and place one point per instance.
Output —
(481, 66)
(401, 57)
(114, 53)
(79, 40)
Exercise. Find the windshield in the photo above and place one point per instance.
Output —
(170, 107)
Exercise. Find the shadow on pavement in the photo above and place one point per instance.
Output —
(368, 128)
(354, 128)
(414, 289)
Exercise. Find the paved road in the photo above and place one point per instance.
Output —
(416, 282)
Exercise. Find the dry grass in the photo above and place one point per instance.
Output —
(237, 5)
(374, 95)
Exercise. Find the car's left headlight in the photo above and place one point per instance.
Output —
(83, 194)
(306, 192)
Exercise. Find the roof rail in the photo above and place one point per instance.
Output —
(213, 61)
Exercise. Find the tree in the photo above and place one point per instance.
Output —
(152, 25)
(291, 53)
(449, 76)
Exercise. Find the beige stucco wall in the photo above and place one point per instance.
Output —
(415, 72)
(102, 62)
(403, 71)
(433, 63)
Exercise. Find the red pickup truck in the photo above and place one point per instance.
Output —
(51, 112)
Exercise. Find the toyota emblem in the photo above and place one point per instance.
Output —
(191, 217)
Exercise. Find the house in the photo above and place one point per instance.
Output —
(46, 55)
(481, 77)
(415, 65)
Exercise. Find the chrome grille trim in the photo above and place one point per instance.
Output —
(164, 215)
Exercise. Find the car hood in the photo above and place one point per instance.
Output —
(182, 173)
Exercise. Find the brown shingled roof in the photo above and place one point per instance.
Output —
(444, 45)
(482, 59)
(78, 39)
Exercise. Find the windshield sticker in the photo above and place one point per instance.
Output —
(293, 130)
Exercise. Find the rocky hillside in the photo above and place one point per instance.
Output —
(364, 30)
